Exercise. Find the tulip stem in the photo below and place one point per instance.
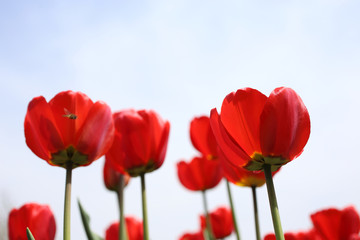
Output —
(273, 203)
(120, 194)
(237, 231)
(144, 208)
(256, 214)
(207, 217)
(67, 201)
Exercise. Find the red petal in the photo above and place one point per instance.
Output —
(158, 132)
(202, 137)
(97, 132)
(240, 116)
(350, 223)
(285, 124)
(327, 223)
(135, 138)
(76, 103)
(232, 151)
(41, 132)
(192, 236)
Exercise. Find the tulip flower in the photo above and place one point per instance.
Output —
(253, 130)
(192, 236)
(68, 131)
(133, 226)
(334, 224)
(139, 146)
(203, 138)
(221, 222)
(38, 218)
(199, 174)
(140, 142)
(262, 133)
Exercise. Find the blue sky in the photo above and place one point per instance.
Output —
(181, 59)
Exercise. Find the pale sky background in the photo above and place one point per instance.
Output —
(181, 58)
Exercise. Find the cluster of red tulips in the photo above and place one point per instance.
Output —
(246, 143)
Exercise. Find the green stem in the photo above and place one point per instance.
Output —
(273, 203)
(120, 194)
(237, 231)
(144, 208)
(67, 201)
(256, 215)
(207, 217)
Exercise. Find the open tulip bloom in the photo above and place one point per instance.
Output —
(262, 133)
(68, 131)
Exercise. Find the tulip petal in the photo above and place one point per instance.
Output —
(231, 150)
(240, 116)
(41, 133)
(202, 137)
(76, 103)
(285, 124)
(350, 223)
(327, 223)
(97, 133)
(158, 133)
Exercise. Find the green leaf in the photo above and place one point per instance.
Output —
(29, 234)
(86, 223)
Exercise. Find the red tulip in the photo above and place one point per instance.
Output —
(192, 236)
(112, 177)
(199, 174)
(203, 138)
(140, 142)
(134, 229)
(309, 235)
(38, 218)
(253, 129)
(68, 128)
(334, 224)
(221, 222)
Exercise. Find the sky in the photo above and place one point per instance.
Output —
(181, 58)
